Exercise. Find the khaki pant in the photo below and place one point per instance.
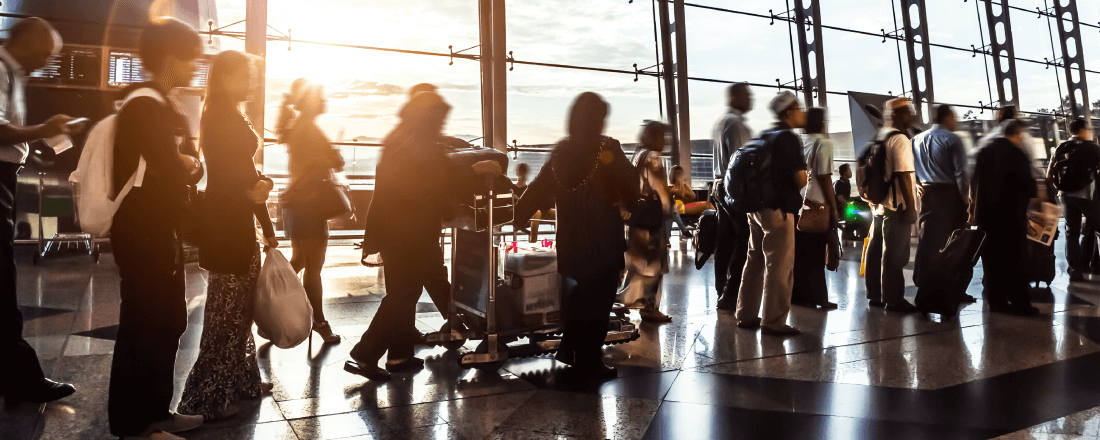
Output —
(769, 271)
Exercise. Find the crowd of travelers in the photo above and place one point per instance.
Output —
(776, 232)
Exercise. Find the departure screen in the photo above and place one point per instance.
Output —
(124, 68)
(74, 66)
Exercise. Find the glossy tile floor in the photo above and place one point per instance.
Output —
(853, 373)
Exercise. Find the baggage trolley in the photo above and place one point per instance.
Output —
(481, 300)
(57, 205)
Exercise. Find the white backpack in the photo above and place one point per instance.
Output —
(94, 175)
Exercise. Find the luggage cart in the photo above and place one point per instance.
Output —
(57, 205)
(482, 301)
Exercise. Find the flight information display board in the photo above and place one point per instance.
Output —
(124, 68)
(73, 66)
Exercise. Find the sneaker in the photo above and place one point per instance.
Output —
(177, 423)
(785, 330)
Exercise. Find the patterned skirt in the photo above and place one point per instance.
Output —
(226, 369)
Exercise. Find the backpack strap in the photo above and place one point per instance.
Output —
(143, 92)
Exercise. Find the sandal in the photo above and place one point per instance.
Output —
(325, 331)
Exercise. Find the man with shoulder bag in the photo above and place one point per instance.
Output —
(1073, 171)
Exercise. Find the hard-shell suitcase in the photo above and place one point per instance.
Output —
(706, 237)
(944, 292)
(1039, 263)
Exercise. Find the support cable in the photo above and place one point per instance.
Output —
(657, 55)
(790, 36)
(897, 42)
(978, 11)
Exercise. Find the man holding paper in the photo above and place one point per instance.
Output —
(31, 43)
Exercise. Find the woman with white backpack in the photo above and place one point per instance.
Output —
(226, 368)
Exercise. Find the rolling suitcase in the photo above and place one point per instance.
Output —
(706, 237)
(1039, 263)
(942, 293)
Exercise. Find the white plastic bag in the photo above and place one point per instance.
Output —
(282, 311)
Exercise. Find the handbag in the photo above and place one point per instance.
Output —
(815, 217)
(331, 200)
(833, 252)
(282, 311)
(649, 212)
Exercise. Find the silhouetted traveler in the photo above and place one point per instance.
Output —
(647, 252)
(1003, 187)
(412, 177)
(888, 251)
(145, 237)
(312, 160)
(590, 180)
(842, 188)
(732, 244)
(810, 289)
(236, 196)
(939, 159)
(771, 244)
(1080, 237)
(31, 43)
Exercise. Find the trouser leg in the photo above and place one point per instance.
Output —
(20, 371)
(1002, 260)
(587, 313)
(738, 255)
(152, 317)
(809, 268)
(389, 330)
(778, 246)
(896, 236)
(723, 250)
(436, 281)
(1073, 207)
(752, 278)
(873, 266)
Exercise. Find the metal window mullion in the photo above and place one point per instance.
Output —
(1080, 109)
(811, 84)
(920, 97)
(1004, 68)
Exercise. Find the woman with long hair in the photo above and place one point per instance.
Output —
(647, 252)
(590, 180)
(412, 177)
(236, 196)
(312, 160)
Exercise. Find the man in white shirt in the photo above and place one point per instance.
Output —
(732, 241)
(31, 43)
(894, 218)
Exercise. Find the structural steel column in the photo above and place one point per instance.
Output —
(255, 43)
(485, 10)
(811, 51)
(681, 152)
(667, 72)
(1004, 55)
(919, 66)
(500, 78)
(1069, 33)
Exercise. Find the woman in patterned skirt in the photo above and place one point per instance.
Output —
(236, 195)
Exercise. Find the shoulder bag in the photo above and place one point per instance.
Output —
(814, 217)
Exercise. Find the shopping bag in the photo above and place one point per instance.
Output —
(282, 311)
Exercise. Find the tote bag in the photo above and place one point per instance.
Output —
(282, 311)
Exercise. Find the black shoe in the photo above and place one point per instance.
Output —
(724, 304)
(876, 303)
(49, 392)
(902, 307)
(407, 365)
(366, 369)
(1076, 276)
(584, 374)
(968, 299)
(828, 306)
(806, 304)
(996, 308)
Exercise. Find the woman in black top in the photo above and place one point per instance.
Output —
(236, 194)
(413, 179)
(590, 180)
(312, 160)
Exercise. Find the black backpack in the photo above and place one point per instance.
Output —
(748, 182)
(1074, 167)
(871, 182)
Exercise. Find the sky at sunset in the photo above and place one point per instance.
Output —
(366, 88)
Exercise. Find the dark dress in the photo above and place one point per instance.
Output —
(226, 368)
(312, 159)
(1003, 187)
(587, 183)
